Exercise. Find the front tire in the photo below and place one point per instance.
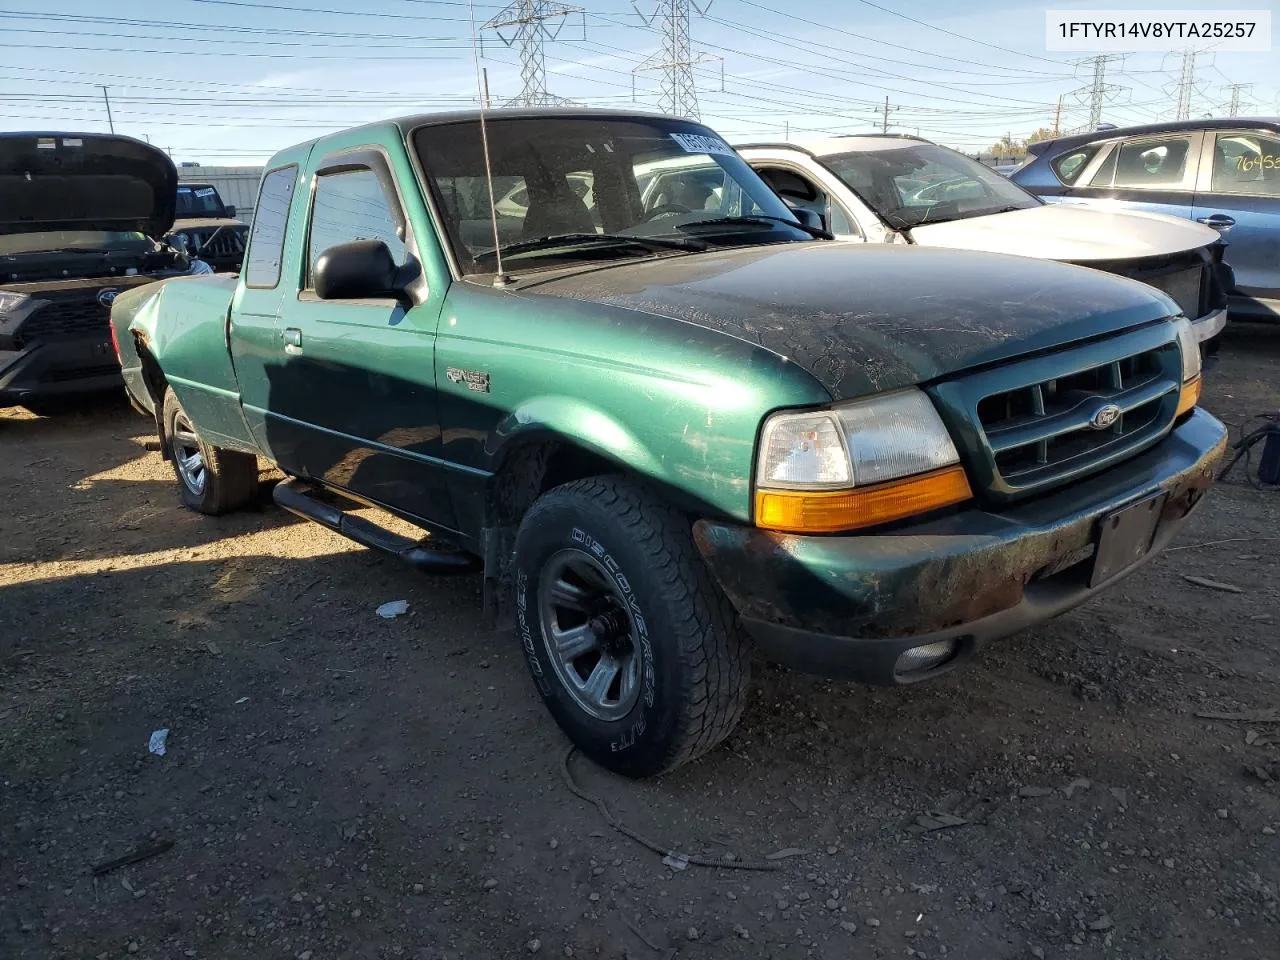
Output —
(211, 480)
(635, 650)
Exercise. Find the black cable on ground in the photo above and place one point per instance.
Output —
(1249, 438)
(657, 848)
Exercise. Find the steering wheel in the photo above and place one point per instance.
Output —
(664, 210)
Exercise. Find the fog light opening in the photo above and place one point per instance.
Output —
(924, 658)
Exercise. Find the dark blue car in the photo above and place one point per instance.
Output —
(1224, 172)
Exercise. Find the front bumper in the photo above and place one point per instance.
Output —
(851, 606)
(1210, 325)
(58, 368)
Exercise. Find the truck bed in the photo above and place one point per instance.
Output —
(178, 321)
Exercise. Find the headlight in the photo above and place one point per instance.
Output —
(1189, 347)
(856, 465)
(9, 302)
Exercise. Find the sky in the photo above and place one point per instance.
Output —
(231, 81)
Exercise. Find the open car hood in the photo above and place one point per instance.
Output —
(84, 181)
(1073, 232)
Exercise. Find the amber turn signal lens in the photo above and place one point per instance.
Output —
(833, 511)
(1189, 396)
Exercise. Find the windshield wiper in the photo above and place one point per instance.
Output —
(573, 239)
(760, 218)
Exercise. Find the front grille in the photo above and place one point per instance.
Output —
(221, 245)
(1183, 287)
(1053, 419)
(68, 317)
(66, 374)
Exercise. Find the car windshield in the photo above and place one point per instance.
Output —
(570, 190)
(198, 199)
(916, 183)
(72, 241)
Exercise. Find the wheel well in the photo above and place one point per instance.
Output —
(533, 469)
(156, 383)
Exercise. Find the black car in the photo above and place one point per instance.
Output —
(79, 218)
(1222, 172)
(207, 228)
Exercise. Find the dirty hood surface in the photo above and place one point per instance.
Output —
(84, 181)
(864, 319)
(1073, 232)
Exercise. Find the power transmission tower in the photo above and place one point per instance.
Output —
(1186, 84)
(677, 58)
(1238, 92)
(531, 24)
(1098, 92)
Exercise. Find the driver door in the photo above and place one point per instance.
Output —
(356, 398)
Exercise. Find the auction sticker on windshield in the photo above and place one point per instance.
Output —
(701, 143)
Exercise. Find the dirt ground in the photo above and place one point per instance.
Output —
(341, 786)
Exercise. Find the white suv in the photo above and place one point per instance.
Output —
(897, 189)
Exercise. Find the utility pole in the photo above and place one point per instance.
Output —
(1057, 118)
(884, 115)
(1186, 84)
(1098, 91)
(107, 100)
(531, 23)
(677, 58)
(1238, 91)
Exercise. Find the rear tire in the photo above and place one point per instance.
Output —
(211, 479)
(635, 650)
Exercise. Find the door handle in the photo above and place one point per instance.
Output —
(1219, 221)
(292, 340)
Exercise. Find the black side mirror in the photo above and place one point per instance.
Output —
(230, 210)
(359, 270)
(810, 218)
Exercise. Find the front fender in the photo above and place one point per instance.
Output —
(572, 420)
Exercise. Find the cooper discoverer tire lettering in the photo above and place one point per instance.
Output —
(635, 651)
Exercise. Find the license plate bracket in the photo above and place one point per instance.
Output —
(1125, 536)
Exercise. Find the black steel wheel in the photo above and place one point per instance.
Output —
(636, 652)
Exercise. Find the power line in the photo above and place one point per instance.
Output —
(952, 33)
(985, 68)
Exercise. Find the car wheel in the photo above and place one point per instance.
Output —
(635, 650)
(211, 479)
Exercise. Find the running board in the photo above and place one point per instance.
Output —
(429, 555)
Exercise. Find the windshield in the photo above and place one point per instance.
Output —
(198, 199)
(575, 189)
(72, 241)
(916, 183)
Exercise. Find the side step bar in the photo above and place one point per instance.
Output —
(428, 555)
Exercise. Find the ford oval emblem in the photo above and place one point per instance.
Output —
(1105, 417)
(107, 297)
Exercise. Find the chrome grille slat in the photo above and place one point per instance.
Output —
(1044, 427)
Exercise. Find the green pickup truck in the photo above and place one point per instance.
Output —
(667, 422)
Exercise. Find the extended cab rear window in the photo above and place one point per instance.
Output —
(266, 239)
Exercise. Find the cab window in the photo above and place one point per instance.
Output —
(351, 205)
(1246, 163)
(266, 239)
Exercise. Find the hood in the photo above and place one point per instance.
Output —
(868, 318)
(1074, 232)
(206, 223)
(84, 181)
